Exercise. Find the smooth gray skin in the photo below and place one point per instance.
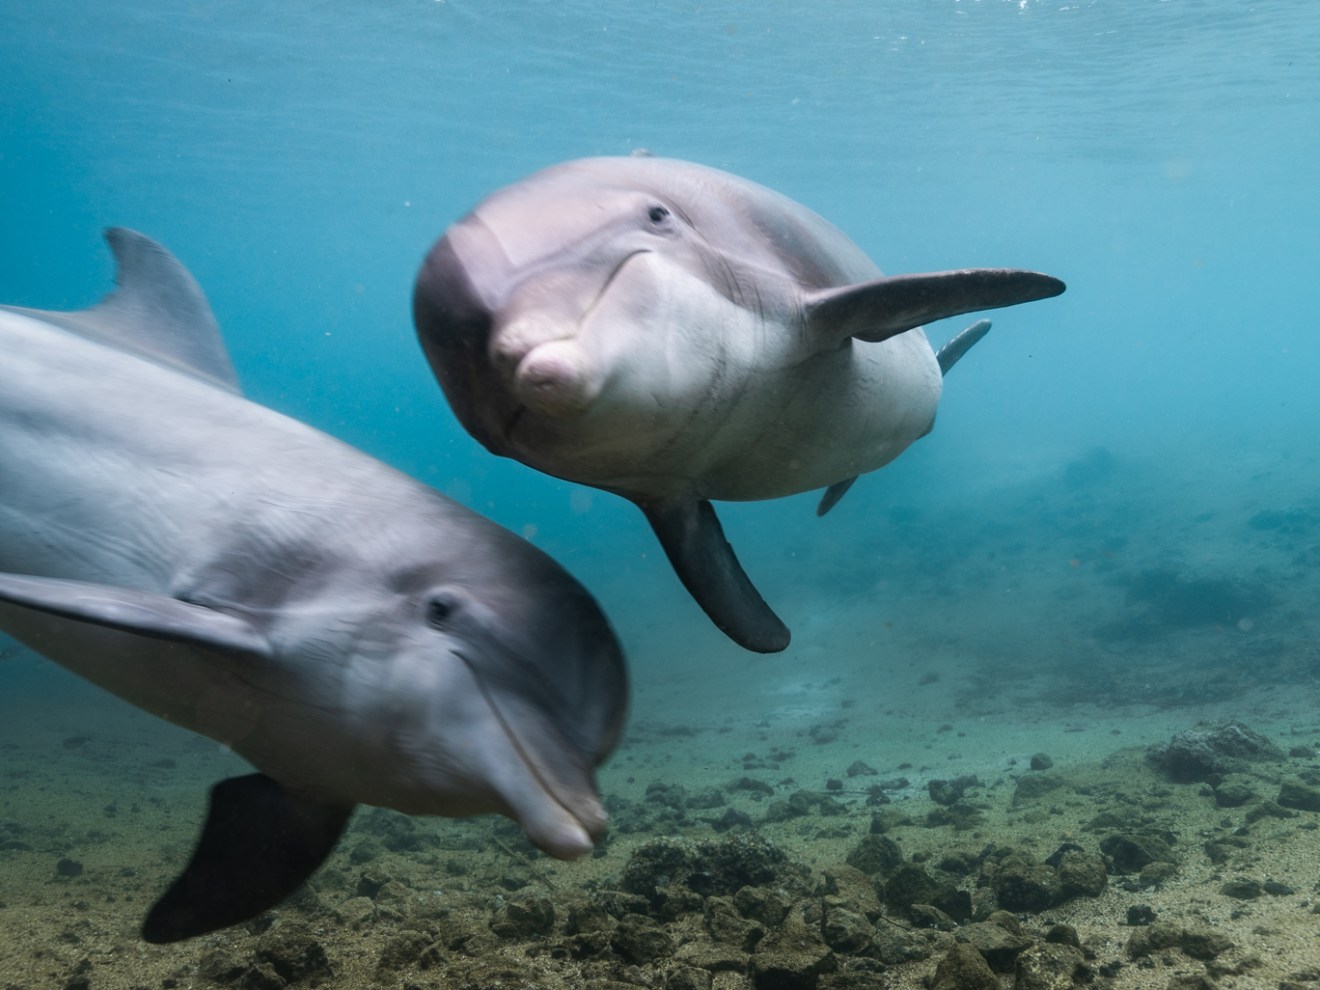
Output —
(676, 334)
(356, 636)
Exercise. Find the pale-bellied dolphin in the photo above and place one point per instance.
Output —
(356, 636)
(676, 334)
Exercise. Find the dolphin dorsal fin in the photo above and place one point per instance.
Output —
(156, 311)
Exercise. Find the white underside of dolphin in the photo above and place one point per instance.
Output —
(354, 635)
(677, 335)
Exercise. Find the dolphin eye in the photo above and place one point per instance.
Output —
(440, 608)
(658, 215)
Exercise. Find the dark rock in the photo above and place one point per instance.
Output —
(1160, 935)
(715, 957)
(963, 968)
(929, 916)
(731, 819)
(852, 885)
(858, 769)
(1081, 874)
(1049, 966)
(726, 924)
(524, 918)
(1195, 754)
(1021, 884)
(1130, 851)
(670, 795)
(999, 942)
(687, 978)
(1242, 889)
(1276, 889)
(764, 904)
(1234, 790)
(1295, 794)
(68, 868)
(640, 940)
(1061, 934)
(1140, 914)
(714, 867)
(843, 928)
(909, 884)
(406, 949)
(877, 855)
(946, 792)
(1041, 761)
(293, 955)
(795, 955)
(1030, 787)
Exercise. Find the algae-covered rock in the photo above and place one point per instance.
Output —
(1295, 794)
(1049, 966)
(964, 968)
(1000, 939)
(1195, 754)
(1023, 884)
(1081, 874)
(877, 855)
(1130, 851)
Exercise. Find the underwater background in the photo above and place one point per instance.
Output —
(1112, 536)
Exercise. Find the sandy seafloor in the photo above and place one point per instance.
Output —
(1100, 608)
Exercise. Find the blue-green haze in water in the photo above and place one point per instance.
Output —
(1158, 155)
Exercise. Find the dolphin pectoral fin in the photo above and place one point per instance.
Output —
(885, 307)
(832, 495)
(693, 540)
(949, 355)
(129, 610)
(260, 843)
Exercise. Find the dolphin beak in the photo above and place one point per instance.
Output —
(545, 781)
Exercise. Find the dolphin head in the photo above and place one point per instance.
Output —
(502, 690)
(549, 313)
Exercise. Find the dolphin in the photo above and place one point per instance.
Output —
(354, 635)
(676, 334)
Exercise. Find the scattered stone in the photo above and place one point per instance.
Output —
(1193, 755)
(1160, 935)
(1023, 884)
(1130, 851)
(1081, 874)
(859, 769)
(1234, 790)
(1030, 787)
(1242, 889)
(731, 819)
(1295, 794)
(946, 792)
(1041, 761)
(877, 855)
(639, 939)
(999, 939)
(964, 968)
(68, 868)
(524, 918)
(1049, 966)
(1141, 914)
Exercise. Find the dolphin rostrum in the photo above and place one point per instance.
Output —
(356, 636)
(676, 334)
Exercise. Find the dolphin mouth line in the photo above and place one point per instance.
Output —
(547, 787)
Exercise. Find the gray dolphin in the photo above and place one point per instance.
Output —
(676, 334)
(356, 636)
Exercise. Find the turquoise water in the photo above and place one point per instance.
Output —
(1158, 156)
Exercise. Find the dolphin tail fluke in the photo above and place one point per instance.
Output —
(951, 352)
(260, 843)
(693, 540)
